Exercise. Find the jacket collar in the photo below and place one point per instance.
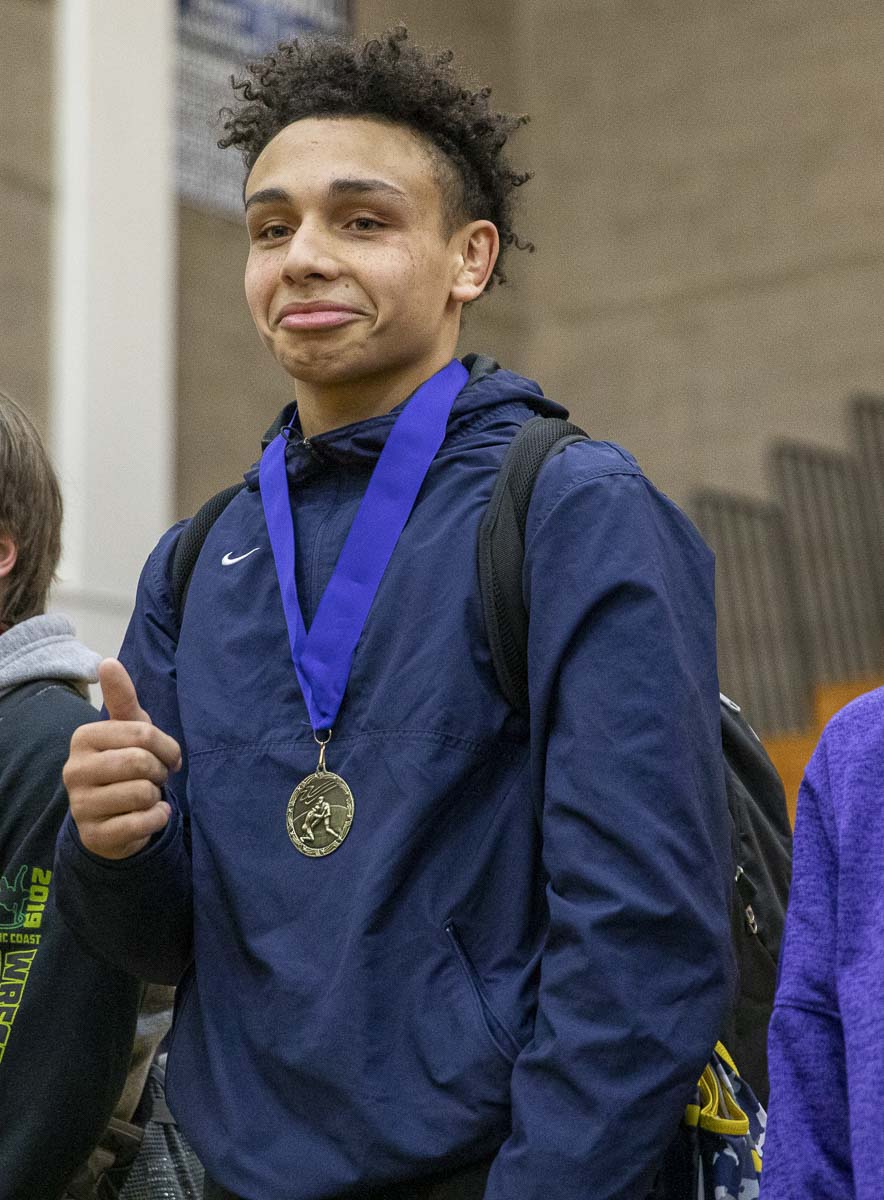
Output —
(488, 396)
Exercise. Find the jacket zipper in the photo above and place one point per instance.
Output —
(744, 889)
(503, 1040)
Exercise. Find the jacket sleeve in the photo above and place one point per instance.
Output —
(66, 1020)
(636, 971)
(137, 912)
(807, 1149)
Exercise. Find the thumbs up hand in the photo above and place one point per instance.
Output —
(116, 771)
(119, 694)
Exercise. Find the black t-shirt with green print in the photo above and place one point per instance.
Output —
(67, 1020)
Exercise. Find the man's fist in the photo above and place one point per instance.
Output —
(116, 771)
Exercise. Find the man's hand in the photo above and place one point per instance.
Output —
(116, 770)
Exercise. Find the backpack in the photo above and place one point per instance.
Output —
(761, 835)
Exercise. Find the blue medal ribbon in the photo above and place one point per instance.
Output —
(323, 657)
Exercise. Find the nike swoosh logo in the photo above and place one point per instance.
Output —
(228, 560)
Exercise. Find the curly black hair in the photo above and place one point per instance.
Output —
(393, 80)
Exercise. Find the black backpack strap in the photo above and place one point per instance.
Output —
(502, 548)
(191, 542)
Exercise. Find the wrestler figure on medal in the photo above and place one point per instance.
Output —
(319, 814)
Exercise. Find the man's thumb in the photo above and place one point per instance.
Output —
(120, 698)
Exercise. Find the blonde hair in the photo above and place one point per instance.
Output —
(30, 514)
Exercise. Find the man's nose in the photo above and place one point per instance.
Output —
(309, 254)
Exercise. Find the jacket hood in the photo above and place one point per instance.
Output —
(45, 647)
(490, 395)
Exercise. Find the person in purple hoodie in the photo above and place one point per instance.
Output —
(826, 1046)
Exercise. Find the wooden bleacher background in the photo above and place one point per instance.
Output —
(800, 587)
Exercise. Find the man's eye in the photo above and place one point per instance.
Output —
(364, 224)
(273, 233)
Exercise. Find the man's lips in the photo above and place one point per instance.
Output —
(315, 315)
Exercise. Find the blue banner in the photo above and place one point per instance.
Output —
(249, 28)
(216, 38)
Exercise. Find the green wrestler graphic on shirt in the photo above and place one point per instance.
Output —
(13, 898)
(22, 904)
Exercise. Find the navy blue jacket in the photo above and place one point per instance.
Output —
(524, 941)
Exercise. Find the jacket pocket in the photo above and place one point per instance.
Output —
(501, 1038)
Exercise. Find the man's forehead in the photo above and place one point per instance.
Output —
(343, 154)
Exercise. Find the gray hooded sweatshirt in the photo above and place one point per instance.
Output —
(45, 647)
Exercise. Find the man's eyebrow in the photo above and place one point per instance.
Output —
(341, 187)
(338, 187)
(271, 195)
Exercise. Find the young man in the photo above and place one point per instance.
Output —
(67, 1019)
(427, 947)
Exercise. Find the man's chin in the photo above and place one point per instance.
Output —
(324, 374)
(329, 365)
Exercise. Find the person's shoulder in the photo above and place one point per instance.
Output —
(591, 481)
(35, 736)
(164, 551)
(50, 705)
(587, 458)
(580, 463)
(858, 727)
(156, 574)
(846, 770)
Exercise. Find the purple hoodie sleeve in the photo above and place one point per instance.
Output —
(136, 913)
(807, 1146)
(826, 1049)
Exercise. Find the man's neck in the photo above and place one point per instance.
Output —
(321, 409)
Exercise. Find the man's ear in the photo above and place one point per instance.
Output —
(8, 554)
(478, 245)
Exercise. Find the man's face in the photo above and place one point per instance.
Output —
(350, 263)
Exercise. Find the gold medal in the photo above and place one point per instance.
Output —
(320, 810)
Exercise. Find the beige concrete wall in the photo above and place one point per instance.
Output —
(26, 202)
(710, 209)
